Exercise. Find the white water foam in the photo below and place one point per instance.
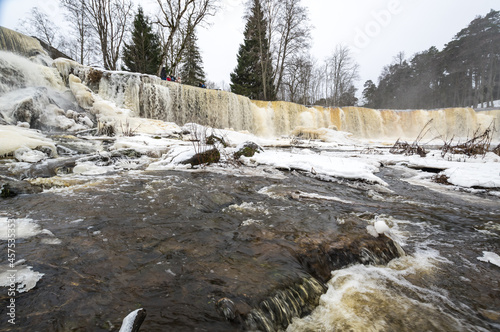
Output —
(384, 298)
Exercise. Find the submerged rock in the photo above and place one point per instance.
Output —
(299, 297)
(13, 188)
(321, 259)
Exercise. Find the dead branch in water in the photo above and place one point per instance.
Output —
(401, 147)
(479, 145)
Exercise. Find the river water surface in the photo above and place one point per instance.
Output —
(176, 243)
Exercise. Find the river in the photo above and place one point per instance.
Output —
(177, 243)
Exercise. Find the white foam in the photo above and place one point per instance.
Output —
(248, 207)
(381, 298)
(25, 228)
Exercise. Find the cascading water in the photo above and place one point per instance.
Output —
(149, 97)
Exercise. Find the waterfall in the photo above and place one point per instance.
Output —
(149, 97)
(18, 43)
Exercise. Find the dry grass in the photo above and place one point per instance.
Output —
(407, 149)
(497, 150)
(94, 76)
(479, 145)
(442, 179)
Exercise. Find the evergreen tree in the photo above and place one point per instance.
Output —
(369, 94)
(252, 76)
(143, 54)
(192, 64)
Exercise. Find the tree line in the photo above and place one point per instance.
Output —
(274, 60)
(465, 73)
(126, 39)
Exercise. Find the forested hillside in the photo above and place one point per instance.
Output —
(465, 73)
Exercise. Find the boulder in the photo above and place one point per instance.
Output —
(247, 149)
(207, 157)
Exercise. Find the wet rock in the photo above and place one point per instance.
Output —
(28, 111)
(277, 311)
(213, 140)
(248, 149)
(49, 168)
(321, 259)
(235, 311)
(207, 157)
(13, 188)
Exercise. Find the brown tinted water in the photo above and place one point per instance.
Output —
(176, 243)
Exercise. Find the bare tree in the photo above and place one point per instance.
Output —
(297, 79)
(289, 34)
(80, 46)
(342, 73)
(179, 18)
(39, 25)
(109, 19)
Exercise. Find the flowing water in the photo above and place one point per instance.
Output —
(179, 243)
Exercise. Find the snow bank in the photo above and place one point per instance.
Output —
(468, 173)
(318, 164)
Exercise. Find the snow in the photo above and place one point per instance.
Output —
(496, 104)
(26, 279)
(490, 257)
(25, 228)
(485, 175)
(128, 322)
(318, 164)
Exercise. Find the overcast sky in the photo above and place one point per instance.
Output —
(376, 30)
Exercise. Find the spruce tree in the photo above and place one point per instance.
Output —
(143, 54)
(252, 76)
(192, 64)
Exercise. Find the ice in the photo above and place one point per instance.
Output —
(30, 156)
(25, 228)
(490, 257)
(318, 164)
(26, 279)
(13, 138)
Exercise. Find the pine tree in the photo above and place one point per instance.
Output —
(143, 54)
(192, 64)
(252, 76)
